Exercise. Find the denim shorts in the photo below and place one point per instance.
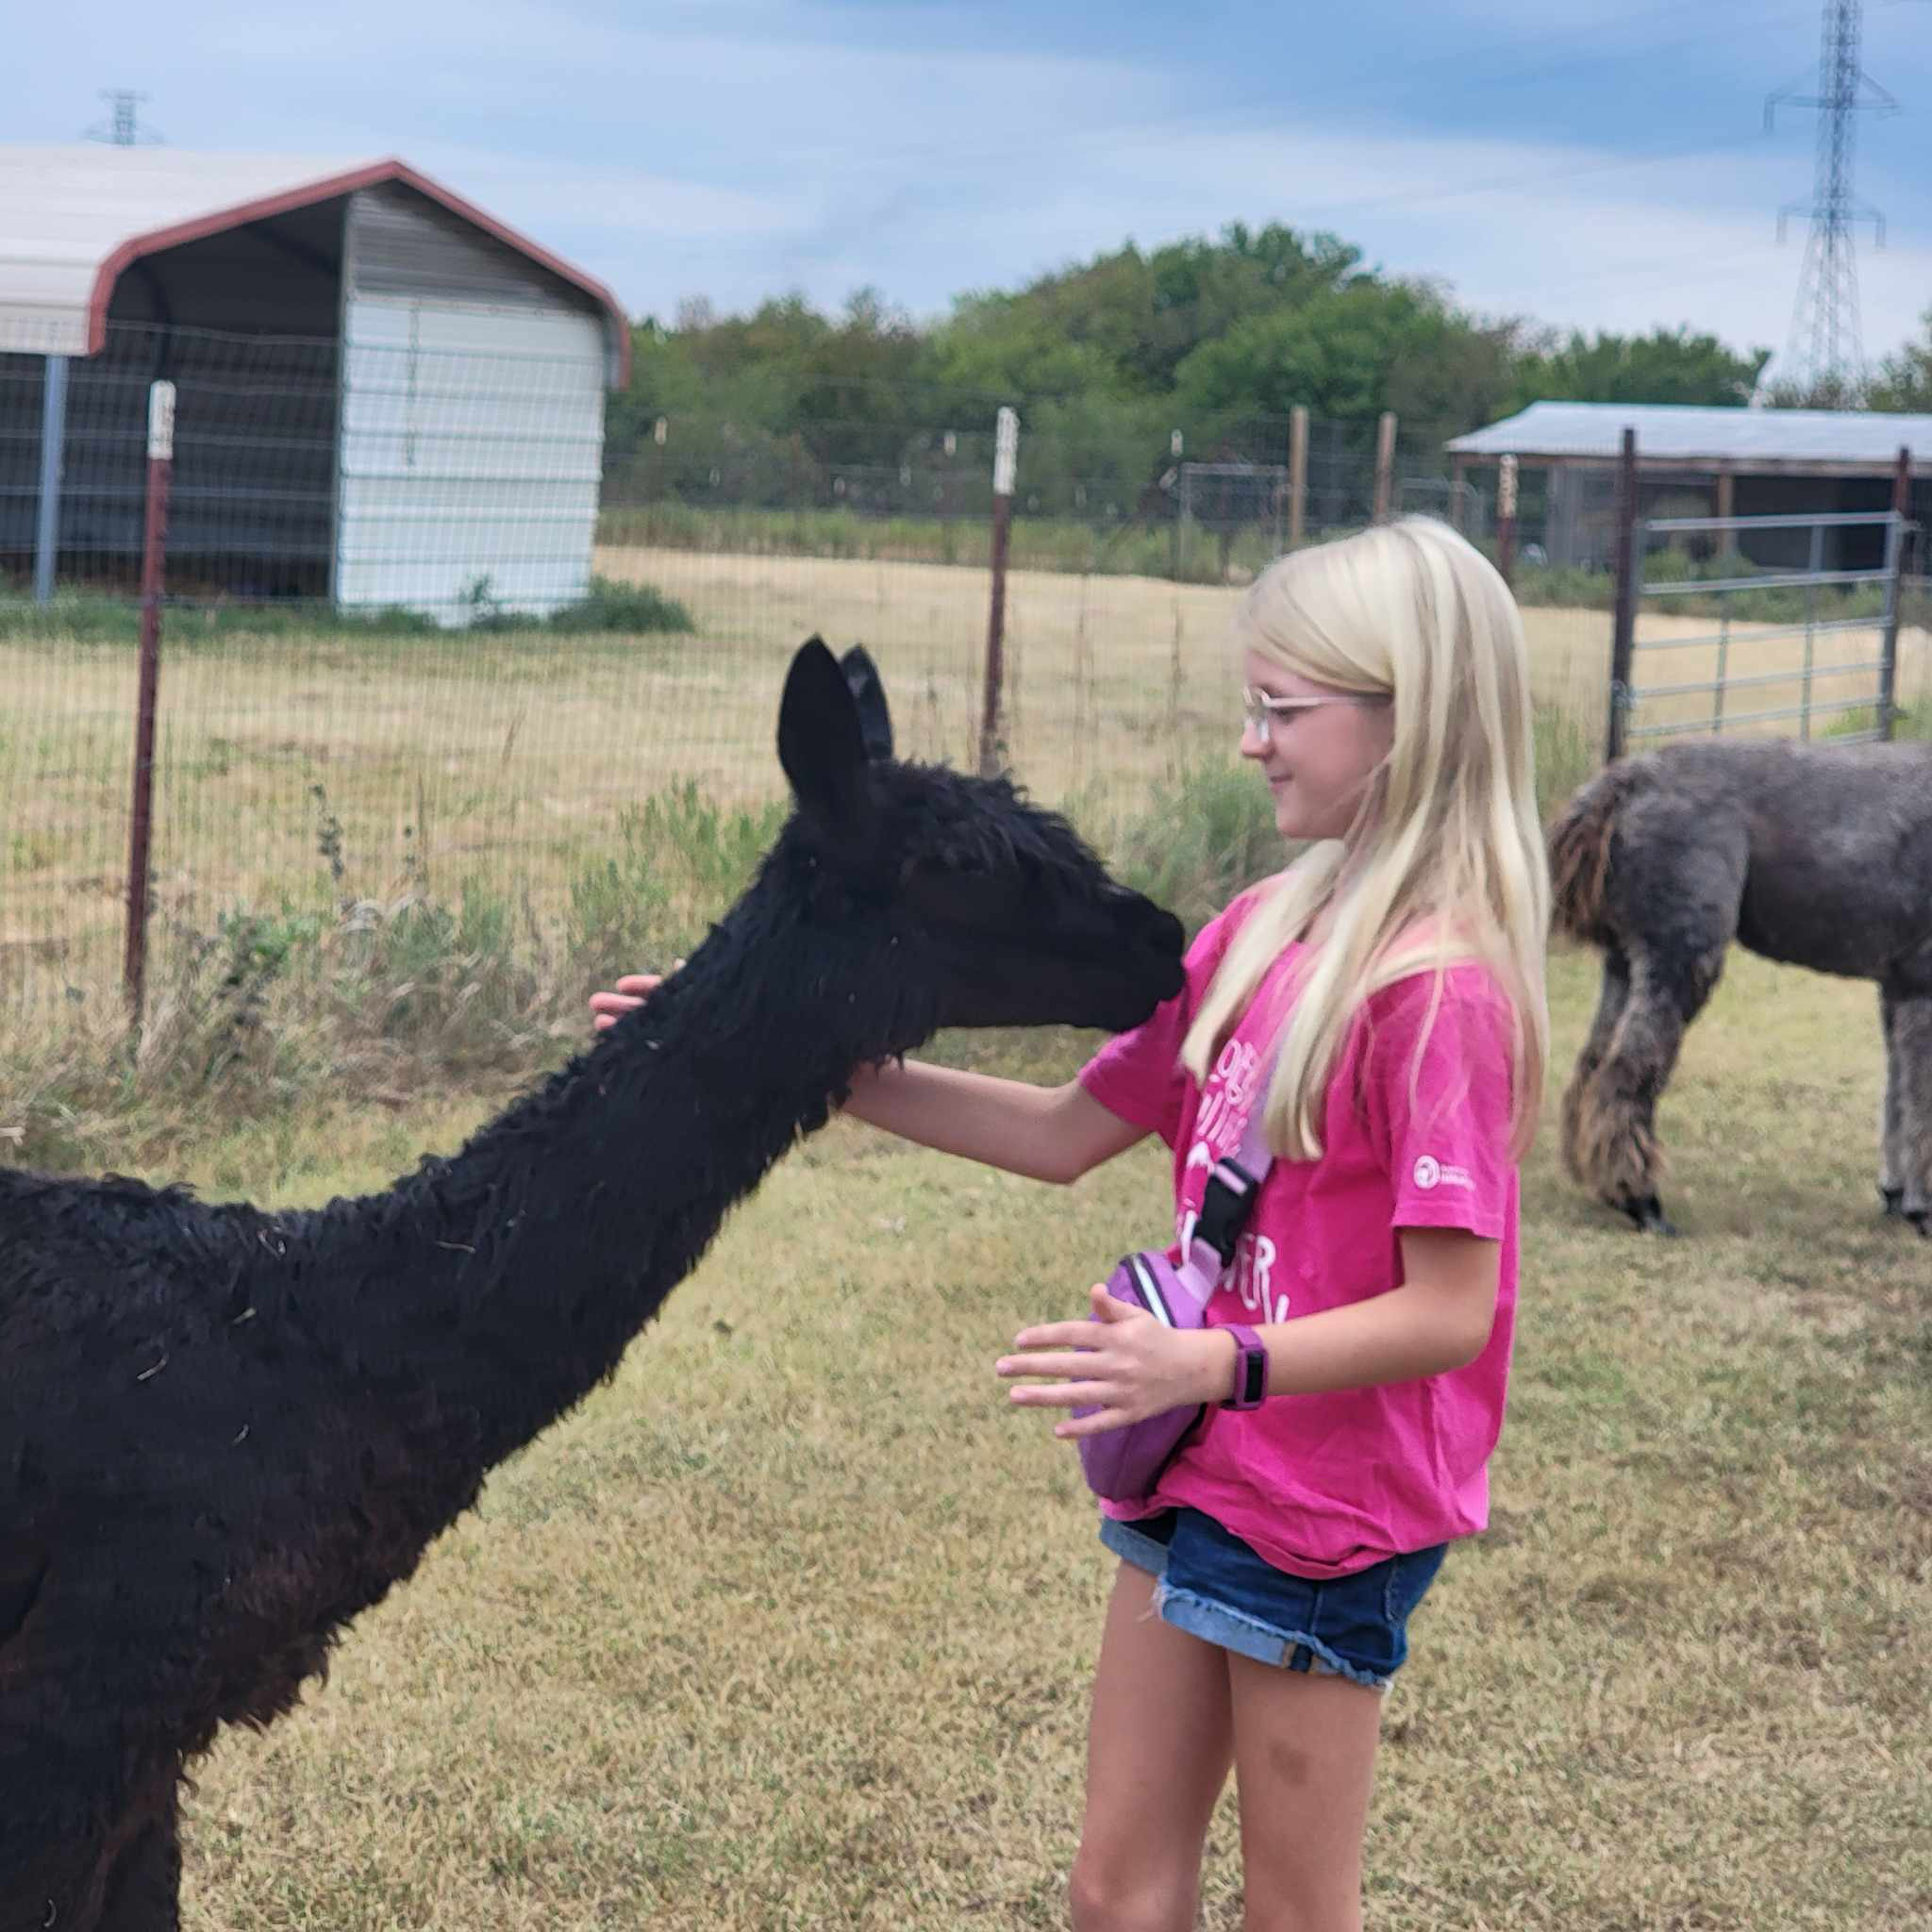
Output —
(1215, 1587)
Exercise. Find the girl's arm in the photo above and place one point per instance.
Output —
(1046, 1133)
(1439, 1319)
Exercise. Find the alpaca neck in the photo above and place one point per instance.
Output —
(515, 1274)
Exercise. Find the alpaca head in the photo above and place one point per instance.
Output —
(979, 908)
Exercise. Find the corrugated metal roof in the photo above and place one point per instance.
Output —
(1675, 432)
(74, 218)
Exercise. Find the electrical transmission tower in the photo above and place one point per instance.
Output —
(1825, 352)
(124, 129)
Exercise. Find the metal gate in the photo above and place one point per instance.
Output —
(1836, 663)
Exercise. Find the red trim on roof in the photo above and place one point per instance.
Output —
(330, 188)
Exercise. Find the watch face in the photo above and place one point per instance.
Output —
(1254, 1376)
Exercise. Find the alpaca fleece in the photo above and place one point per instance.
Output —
(225, 1433)
(1814, 854)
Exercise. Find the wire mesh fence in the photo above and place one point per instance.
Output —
(443, 626)
(296, 765)
(418, 635)
(1120, 492)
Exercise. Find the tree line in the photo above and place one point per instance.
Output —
(1106, 360)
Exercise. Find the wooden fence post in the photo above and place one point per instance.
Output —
(1385, 465)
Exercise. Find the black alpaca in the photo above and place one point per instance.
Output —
(225, 1433)
(1815, 854)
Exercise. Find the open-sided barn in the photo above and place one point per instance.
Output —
(1723, 462)
(384, 395)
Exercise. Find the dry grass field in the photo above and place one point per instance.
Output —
(790, 1628)
(510, 759)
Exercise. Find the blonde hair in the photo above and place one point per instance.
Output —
(1445, 860)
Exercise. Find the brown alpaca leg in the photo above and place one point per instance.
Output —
(1908, 1089)
(1580, 1100)
(1617, 1143)
(1670, 894)
(1891, 1186)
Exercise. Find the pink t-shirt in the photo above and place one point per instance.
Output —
(1326, 1484)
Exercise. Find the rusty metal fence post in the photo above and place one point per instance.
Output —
(161, 463)
(1004, 459)
(1623, 631)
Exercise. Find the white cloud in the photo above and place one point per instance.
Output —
(616, 201)
(741, 148)
(1561, 235)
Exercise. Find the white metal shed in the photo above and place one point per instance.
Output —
(385, 394)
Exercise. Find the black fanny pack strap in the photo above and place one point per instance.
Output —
(1236, 1179)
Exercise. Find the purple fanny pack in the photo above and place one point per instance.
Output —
(1124, 1464)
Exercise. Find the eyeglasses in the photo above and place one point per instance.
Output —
(1260, 707)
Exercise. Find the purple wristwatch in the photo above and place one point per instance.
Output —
(1250, 1367)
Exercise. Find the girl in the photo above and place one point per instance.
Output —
(1382, 1000)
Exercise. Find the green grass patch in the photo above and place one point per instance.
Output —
(1121, 545)
(81, 618)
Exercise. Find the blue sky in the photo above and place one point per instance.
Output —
(1576, 164)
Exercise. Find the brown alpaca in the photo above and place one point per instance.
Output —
(1814, 854)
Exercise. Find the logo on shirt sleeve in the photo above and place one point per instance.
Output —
(1430, 1173)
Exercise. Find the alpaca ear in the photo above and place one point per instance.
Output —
(821, 743)
(869, 694)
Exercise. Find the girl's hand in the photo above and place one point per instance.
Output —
(632, 990)
(1126, 1365)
